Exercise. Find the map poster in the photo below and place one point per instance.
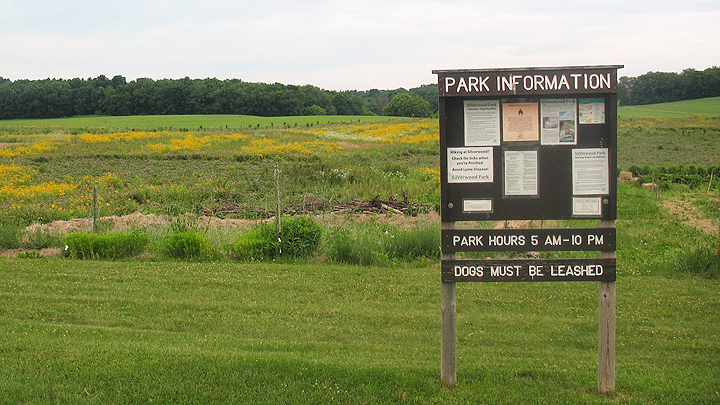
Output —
(590, 171)
(559, 126)
(592, 111)
(520, 122)
(482, 122)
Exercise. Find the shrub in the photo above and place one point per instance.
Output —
(299, 237)
(112, 246)
(256, 244)
(187, 246)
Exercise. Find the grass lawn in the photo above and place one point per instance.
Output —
(170, 332)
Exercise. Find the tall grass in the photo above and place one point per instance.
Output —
(110, 246)
(365, 245)
(703, 261)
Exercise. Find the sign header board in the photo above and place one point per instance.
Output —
(525, 81)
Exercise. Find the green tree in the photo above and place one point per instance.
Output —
(408, 105)
(430, 93)
(315, 110)
(348, 104)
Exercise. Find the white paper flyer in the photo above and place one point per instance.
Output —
(482, 122)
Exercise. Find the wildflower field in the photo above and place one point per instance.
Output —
(50, 176)
(49, 170)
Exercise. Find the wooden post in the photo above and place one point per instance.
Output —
(448, 343)
(711, 180)
(277, 207)
(95, 208)
(606, 328)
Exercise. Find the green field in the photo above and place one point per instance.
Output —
(311, 331)
(706, 107)
(177, 122)
(669, 141)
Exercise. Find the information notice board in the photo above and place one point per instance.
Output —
(529, 144)
(537, 143)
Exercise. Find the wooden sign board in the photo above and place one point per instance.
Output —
(529, 144)
(535, 143)
(513, 240)
(515, 270)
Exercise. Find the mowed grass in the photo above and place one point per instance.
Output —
(707, 107)
(178, 122)
(166, 332)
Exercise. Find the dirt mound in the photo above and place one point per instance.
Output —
(136, 220)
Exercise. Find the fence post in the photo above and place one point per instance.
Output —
(277, 207)
(95, 208)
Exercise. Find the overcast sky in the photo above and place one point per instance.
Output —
(345, 45)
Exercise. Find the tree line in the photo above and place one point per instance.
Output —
(663, 87)
(55, 98)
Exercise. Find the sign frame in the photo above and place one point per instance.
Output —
(555, 159)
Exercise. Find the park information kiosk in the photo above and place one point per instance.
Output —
(529, 144)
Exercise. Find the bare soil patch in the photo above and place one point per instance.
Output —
(690, 215)
(138, 220)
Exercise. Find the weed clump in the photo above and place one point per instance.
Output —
(703, 261)
(299, 237)
(112, 246)
(380, 245)
(187, 246)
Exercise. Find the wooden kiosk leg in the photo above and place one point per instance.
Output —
(606, 329)
(448, 343)
(606, 338)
